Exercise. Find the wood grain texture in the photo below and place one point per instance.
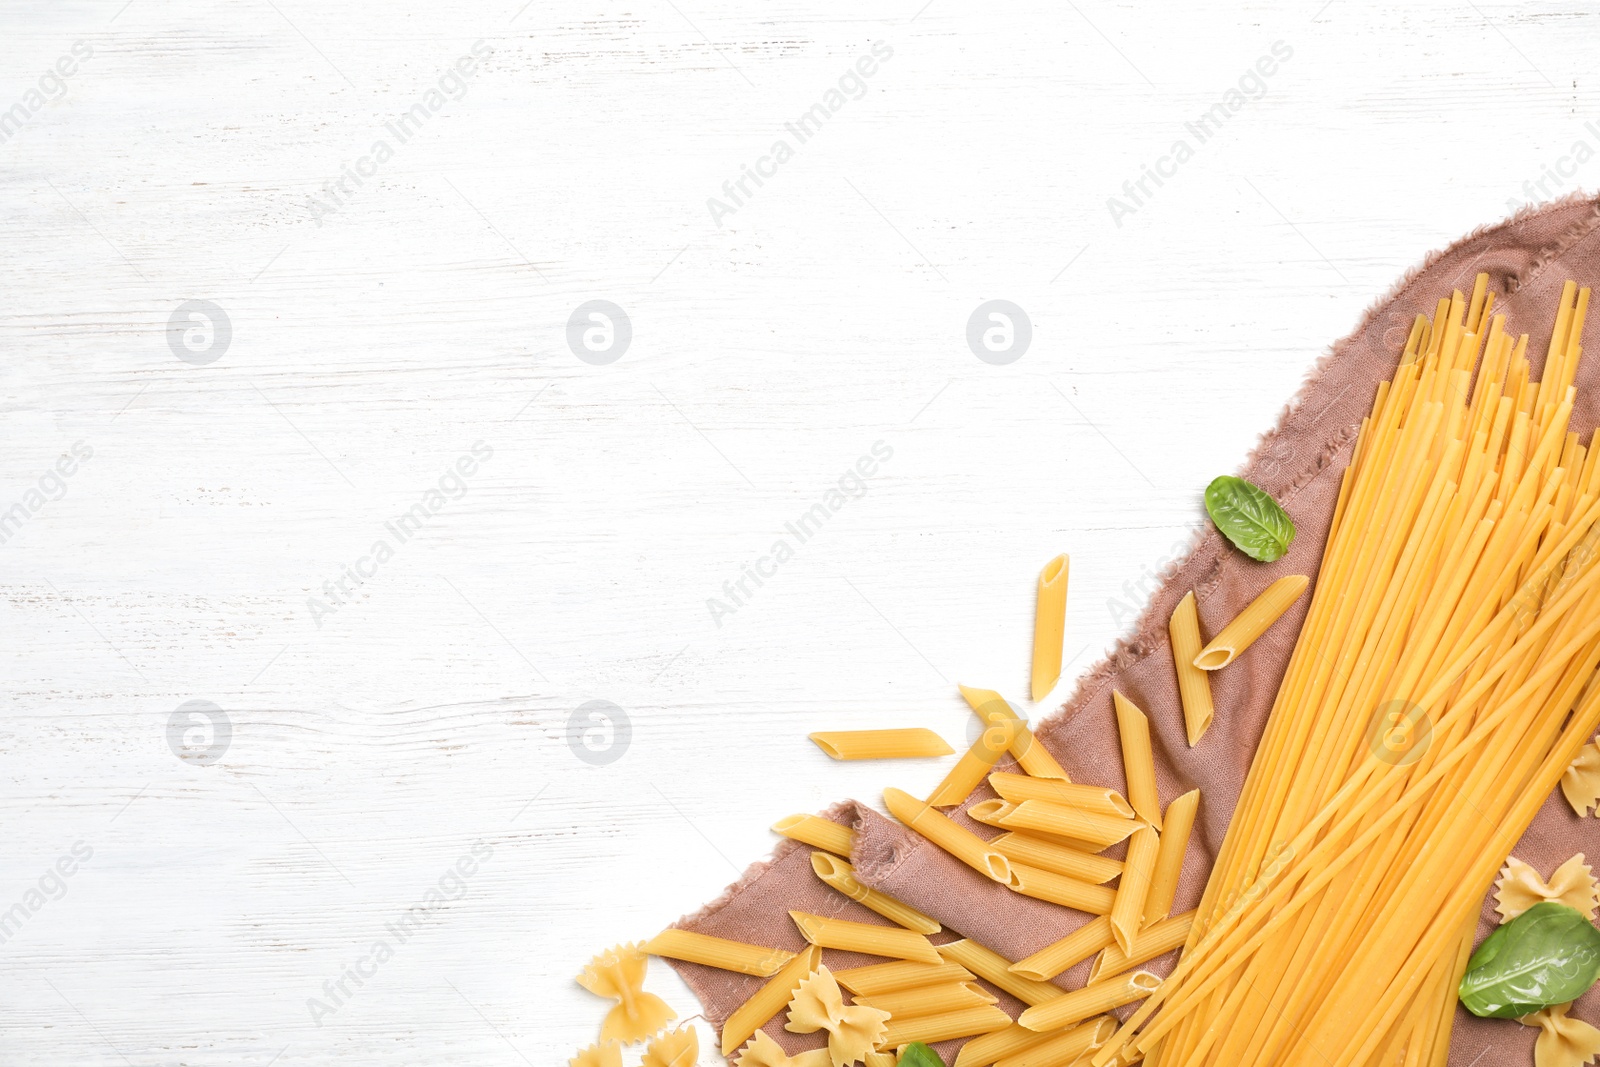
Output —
(374, 345)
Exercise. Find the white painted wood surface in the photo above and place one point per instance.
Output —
(373, 747)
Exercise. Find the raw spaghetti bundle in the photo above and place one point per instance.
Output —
(1441, 684)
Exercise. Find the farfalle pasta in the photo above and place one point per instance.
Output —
(672, 1048)
(762, 1051)
(853, 1031)
(618, 973)
(1563, 1041)
(1581, 783)
(605, 1054)
(1520, 888)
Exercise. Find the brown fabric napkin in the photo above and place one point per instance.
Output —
(1299, 462)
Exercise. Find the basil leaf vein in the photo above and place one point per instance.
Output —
(1255, 523)
(1550, 954)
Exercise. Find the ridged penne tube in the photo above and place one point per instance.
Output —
(983, 1019)
(841, 876)
(876, 1058)
(929, 1000)
(1049, 626)
(1043, 816)
(960, 842)
(1179, 821)
(1059, 889)
(1053, 856)
(817, 832)
(1123, 1057)
(990, 812)
(1099, 799)
(1127, 912)
(1007, 729)
(1138, 759)
(864, 938)
(882, 978)
(996, 970)
(985, 1049)
(756, 960)
(1068, 952)
(769, 1000)
(1194, 684)
(973, 766)
(914, 743)
(1091, 1000)
(1064, 1048)
(1257, 617)
(1153, 941)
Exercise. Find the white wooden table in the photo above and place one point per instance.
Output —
(368, 328)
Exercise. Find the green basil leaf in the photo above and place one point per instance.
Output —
(917, 1054)
(1548, 955)
(1249, 518)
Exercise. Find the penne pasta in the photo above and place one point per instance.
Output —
(1257, 617)
(864, 937)
(880, 978)
(983, 1019)
(874, 1058)
(1049, 626)
(1043, 816)
(1074, 862)
(1078, 1005)
(996, 970)
(756, 960)
(1169, 860)
(990, 812)
(960, 842)
(929, 1000)
(985, 1049)
(769, 1000)
(973, 766)
(1068, 952)
(1127, 912)
(1098, 799)
(1138, 761)
(1064, 1048)
(1126, 1056)
(1059, 889)
(841, 876)
(881, 744)
(1010, 731)
(1153, 941)
(1194, 684)
(817, 832)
